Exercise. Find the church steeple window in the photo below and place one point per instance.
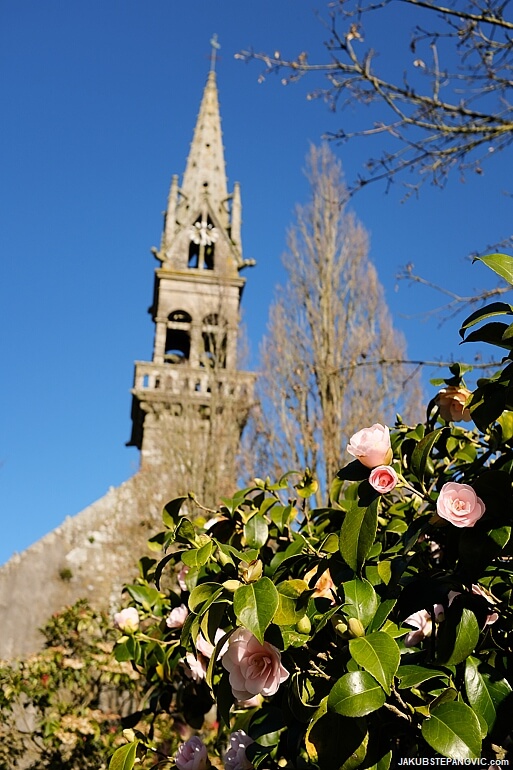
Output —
(178, 338)
(214, 341)
(203, 235)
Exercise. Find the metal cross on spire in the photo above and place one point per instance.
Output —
(215, 47)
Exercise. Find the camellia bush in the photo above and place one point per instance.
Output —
(60, 708)
(374, 632)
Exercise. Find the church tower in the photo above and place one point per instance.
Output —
(190, 402)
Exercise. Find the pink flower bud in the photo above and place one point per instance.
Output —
(371, 446)
(383, 479)
(192, 755)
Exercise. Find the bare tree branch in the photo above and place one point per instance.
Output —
(453, 106)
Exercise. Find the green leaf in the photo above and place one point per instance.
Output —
(453, 730)
(203, 595)
(360, 600)
(494, 308)
(358, 533)
(255, 605)
(171, 512)
(411, 676)
(493, 333)
(147, 596)
(338, 743)
(185, 532)
(197, 557)
(420, 454)
(478, 694)
(382, 613)
(356, 694)
(458, 635)
(501, 264)
(124, 757)
(288, 593)
(378, 654)
(256, 531)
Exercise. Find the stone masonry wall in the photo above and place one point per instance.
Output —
(91, 556)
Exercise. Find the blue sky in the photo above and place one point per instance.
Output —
(99, 102)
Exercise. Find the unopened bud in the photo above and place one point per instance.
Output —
(355, 627)
(303, 626)
(231, 585)
(251, 572)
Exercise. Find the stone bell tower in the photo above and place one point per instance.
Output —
(190, 402)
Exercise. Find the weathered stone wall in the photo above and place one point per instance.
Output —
(91, 556)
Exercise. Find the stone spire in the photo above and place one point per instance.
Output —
(205, 171)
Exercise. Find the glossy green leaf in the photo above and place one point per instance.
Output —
(358, 533)
(453, 730)
(411, 676)
(256, 531)
(288, 593)
(360, 600)
(356, 694)
(197, 557)
(171, 512)
(458, 636)
(493, 309)
(147, 596)
(502, 264)
(124, 757)
(378, 654)
(255, 605)
(203, 595)
(493, 333)
(478, 692)
(420, 454)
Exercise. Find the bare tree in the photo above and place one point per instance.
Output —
(330, 337)
(451, 108)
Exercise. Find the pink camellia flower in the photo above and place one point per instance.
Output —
(192, 755)
(204, 646)
(421, 620)
(324, 586)
(181, 577)
(176, 617)
(383, 479)
(371, 446)
(127, 620)
(235, 758)
(492, 617)
(459, 504)
(254, 668)
(195, 667)
(451, 403)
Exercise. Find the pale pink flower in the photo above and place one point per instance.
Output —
(251, 703)
(371, 446)
(423, 624)
(492, 617)
(176, 617)
(383, 479)
(192, 755)
(181, 577)
(459, 504)
(204, 646)
(195, 667)
(235, 758)
(127, 620)
(254, 668)
(324, 587)
(451, 403)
